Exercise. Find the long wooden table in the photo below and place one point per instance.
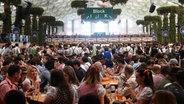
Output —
(111, 81)
(41, 97)
(37, 98)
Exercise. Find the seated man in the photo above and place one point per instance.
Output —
(14, 74)
(130, 80)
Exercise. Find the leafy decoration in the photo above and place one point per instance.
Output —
(80, 11)
(140, 22)
(7, 21)
(157, 23)
(181, 1)
(44, 21)
(114, 2)
(180, 24)
(167, 9)
(36, 11)
(172, 10)
(14, 2)
(79, 4)
(2, 16)
(47, 19)
(57, 23)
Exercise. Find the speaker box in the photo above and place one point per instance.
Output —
(152, 8)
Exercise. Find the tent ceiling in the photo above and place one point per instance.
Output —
(133, 9)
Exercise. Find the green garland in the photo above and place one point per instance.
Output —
(83, 3)
(27, 28)
(40, 34)
(165, 22)
(34, 23)
(140, 22)
(2, 16)
(180, 23)
(151, 18)
(57, 23)
(172, 29)
(14, 2)
(7, 21)
(79, 4)
(80, 11)
(34, 29)
(36, 11)
(165, 26)
(116, 11)
(167, 9)
(157, 23)
(42, 29)
(159, 32)
(47, 19)
(114, 2)
(181, 1)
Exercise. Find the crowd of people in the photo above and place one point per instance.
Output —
(72, 73)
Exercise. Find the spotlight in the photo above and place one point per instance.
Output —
(152, 8)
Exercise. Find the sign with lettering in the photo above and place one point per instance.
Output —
(98, 14)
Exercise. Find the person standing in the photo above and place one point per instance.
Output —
(80, 72)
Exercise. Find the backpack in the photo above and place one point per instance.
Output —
(177, 91)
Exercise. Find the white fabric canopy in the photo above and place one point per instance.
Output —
(133, 9)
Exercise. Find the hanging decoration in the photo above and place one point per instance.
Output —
(2, 16)
(155, 24)
(141, 22)
(44, 22)
(169, 11)
(181, 1)
(7, 23)
(114, 2)
(36, 13)
(180, 24)
(79, 4)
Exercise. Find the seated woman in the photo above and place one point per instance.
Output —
(143, 93)
(92, 84)
(32, 82)
(71, 78)
(59, 91)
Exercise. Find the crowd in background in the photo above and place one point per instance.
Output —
(72, 73)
